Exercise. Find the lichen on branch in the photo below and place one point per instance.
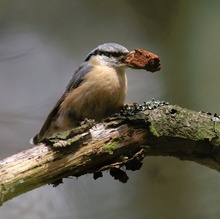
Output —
(120, 141)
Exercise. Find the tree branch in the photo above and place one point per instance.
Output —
(120, 141)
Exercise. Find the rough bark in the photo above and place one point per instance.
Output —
(120, 141)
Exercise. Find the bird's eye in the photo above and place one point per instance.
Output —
(107, 54)
(116, 54)
(112, 54)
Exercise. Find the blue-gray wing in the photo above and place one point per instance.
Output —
(78, 76)
(76, 80)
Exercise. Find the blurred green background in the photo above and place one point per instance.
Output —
(41, 44)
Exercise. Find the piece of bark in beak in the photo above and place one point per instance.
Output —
(142, 59)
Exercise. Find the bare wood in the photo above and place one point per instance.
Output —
(165, 131)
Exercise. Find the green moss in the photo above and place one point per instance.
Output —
(62, 135)
(111, 147)
(118, 139)
(154, 131)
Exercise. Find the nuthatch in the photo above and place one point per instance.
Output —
(97, 90)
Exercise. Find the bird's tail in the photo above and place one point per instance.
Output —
(35, 140)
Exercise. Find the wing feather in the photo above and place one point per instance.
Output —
(75, 82)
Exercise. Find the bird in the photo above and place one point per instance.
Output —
(96, 90)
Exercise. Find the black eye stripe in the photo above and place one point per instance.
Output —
(111, 54)
(106, 53)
